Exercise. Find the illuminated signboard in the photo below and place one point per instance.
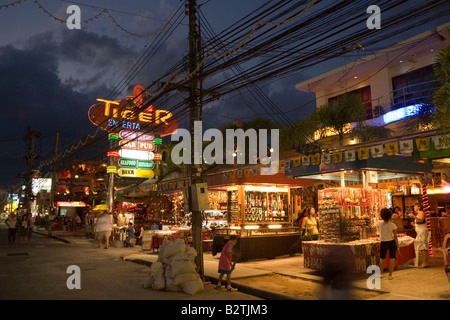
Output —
(70, 204)
(128, 163)
(135, 173)
(401, 113)
(41, 184)
(133, 135)
(129, 115)
(136, 154)
(133, 163)
(139, 145)
(142, 164)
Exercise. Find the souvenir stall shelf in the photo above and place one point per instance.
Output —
(264, 206)
(217, 200)
(248, 205)
(347, 214)
(347, 219)
(262, 218)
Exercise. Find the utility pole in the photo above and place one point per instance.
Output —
(195, 169)
(29, 160)
(110, 190)
(53, 189)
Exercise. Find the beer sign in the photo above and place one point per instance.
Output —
(135, 173)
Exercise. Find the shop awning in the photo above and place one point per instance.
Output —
(394, 163)
(100, 207)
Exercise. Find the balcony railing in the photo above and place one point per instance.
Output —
(407, 96)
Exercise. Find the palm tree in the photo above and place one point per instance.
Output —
(336, 116)
(296, 135)
(366, 132)
(441, 98)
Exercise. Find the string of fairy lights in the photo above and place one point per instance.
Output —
(108, 14)
(262, 33)
(12, 4)
(188, 76)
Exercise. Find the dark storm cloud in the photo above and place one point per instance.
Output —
(32, 91)
(52, 79)
(277, 100)
(91, 49)
(34, 95)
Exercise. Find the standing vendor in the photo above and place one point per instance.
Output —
(310, 223)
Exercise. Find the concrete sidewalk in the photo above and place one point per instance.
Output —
(409, 283)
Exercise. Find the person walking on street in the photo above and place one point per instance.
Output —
(65, 226)
(24, 229)
(389, 240)
(104, 227)
(30, 225)
(11, 222)
(226, 263)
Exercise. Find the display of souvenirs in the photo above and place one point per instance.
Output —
(233, 207)
(217, 200)
(347, 214)
(265, 206)
(364, 254)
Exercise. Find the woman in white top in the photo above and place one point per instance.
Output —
(389, 240)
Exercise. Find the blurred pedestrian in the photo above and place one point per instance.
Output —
(24, 229)
(226, 263)
(11, 222)
(139, 237)
(130, 235)
(78, 221)
(104, 227)
(389, 240)
(65, 225)
(38, 220)
(30, 225)
(337, 273)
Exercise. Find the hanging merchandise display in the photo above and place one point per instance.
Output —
(347, 214)
(263, 205)
(347, 219)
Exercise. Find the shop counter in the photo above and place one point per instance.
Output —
(153, 239)
(362, 253)
(259, 244)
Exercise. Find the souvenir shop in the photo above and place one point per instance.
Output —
(349, 198)
(259, 210)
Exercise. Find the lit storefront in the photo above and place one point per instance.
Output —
(353, 187)
(259, 210)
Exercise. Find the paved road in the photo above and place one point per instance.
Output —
(38, 270)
